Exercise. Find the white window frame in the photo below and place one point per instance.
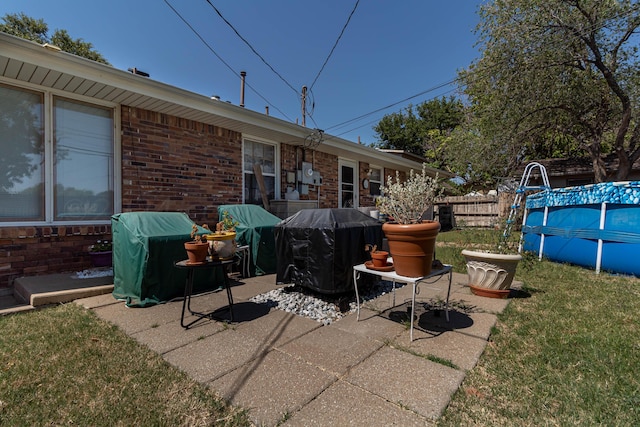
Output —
(276, 159)
(48, 96)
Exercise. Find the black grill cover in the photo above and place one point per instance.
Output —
(317, 248)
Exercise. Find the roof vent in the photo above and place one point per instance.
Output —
(138, 72)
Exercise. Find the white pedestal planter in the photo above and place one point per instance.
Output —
(490, 274)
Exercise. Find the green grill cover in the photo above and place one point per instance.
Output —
(145, 247)
(256, 230)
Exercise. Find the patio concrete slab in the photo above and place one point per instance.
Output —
(472, 321)
(243, 289)
(344, 404)
(278, 328)
(332, 349)
(171, 336)
(370, 325)
(59, 288)
(489, 305)
(290, 370)
(216, 355)
(420, 385)
(273, 386)
(136, 319)
(460, 349)
(97, 301)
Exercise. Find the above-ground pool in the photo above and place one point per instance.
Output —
(595, 226)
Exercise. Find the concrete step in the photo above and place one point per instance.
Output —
(8, 305)
(59, 288)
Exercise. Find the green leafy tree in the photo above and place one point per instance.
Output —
(558, 78)
(37, 30)
(424, 131)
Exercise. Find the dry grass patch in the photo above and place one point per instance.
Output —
(63, 366)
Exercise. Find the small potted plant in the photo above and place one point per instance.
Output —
(379, 258)
(222, 242)
(411, 239)
(197, 249)
(101, 253)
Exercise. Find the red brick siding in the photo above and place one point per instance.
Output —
(29, 251)
(173, 164)
(326, 164)
(168, 164)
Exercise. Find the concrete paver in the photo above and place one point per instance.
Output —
(344, 404)
(273, 386)
(370, 325)
(290, 370)
(418, 384)
(216, 355)
(278, 328)
(332, 349)
(171, 336)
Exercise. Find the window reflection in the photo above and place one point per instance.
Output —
(83, 167)
(256, 153)
(22, 155)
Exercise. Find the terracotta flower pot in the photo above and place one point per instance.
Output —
(379, 258)
(196, 252)
(411, 246)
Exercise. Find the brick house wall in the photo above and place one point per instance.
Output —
(172, 164)
(168, 164)
(324, 163)
(30, 251)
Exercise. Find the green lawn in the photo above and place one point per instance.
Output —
(64, 366)
(566, 353)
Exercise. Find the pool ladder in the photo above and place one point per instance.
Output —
(522, 189)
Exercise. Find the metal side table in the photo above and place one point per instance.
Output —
(394, 277)
(188, 289)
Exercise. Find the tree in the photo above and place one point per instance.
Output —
(424, 132)
(558, 77)
(37, 30)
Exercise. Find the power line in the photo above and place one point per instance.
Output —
(377, 119)
(252, 48)
(222, 60)
(441, 85)
(335, 44)
(592, 27)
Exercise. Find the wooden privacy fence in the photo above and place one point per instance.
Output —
(474, 211)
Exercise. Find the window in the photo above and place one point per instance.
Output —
(83, 167)
(22, 158)
(347, 193)
(59, 168)
(264, 155)
(375, 181)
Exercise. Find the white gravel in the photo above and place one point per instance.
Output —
(322, 308)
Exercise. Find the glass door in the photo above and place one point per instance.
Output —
(347, 188)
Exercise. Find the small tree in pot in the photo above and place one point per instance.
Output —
(411, 239)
